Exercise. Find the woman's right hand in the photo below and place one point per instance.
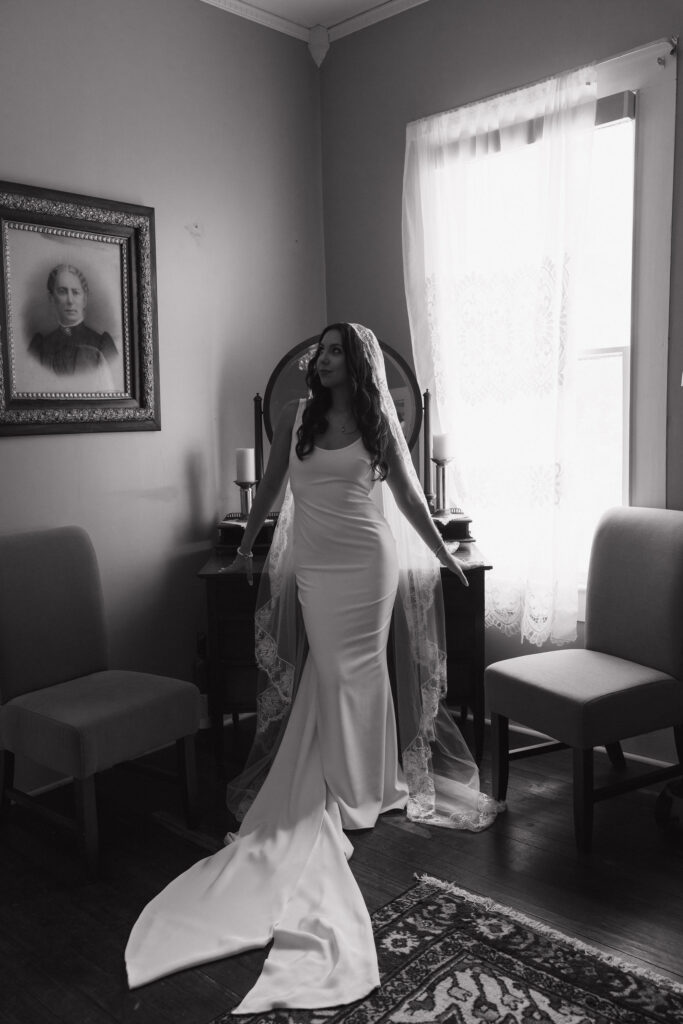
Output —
(267, 491)
(242, 563)
(450, 562)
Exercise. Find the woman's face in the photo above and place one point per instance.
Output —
(69, 298)
(331, 364)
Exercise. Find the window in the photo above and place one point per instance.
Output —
(604, 331)
(499, 293)
(636, 210)
(650, 73)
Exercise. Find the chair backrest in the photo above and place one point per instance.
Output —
(51, 610)
(634, 598)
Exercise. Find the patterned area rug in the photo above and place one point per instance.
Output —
(447, 956)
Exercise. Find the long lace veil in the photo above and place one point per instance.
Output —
(442, 776)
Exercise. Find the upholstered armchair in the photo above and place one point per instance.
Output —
(61, 704)
(626, 682)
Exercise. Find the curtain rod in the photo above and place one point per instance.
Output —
(670, 41)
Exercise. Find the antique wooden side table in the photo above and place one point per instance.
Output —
(230, 642)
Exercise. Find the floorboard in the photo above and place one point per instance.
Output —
(62, 935)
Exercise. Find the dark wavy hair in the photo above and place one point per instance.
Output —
(365, 402)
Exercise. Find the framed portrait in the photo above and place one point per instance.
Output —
(78, 348)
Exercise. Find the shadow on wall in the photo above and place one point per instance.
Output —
(201, 508)
(157, 628)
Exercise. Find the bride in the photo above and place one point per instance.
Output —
(355, 544)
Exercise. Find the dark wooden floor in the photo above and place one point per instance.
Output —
(62, 936)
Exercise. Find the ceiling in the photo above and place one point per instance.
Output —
(298, 17)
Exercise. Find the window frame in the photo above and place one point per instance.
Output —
(613, 110)
(650, 73)
(624, 351)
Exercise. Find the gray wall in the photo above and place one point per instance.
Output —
(212, 120)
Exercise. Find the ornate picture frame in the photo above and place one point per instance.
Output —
(78, 317)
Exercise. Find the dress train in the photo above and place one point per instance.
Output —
(284, 878)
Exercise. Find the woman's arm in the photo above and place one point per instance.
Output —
(414, 507)
(267, 490)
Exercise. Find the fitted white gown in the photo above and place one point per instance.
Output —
(286, 875)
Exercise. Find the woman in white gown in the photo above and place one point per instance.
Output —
(327, 761)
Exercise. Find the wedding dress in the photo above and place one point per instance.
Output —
(335, 762)
(285, 876)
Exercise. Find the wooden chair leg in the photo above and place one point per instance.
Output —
(499, 755)
(616, 755)
(6, 780)
(187, 769)
(583, 798)
(86, 811)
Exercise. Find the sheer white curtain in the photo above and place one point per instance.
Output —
(493, 199)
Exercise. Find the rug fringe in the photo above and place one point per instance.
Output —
(610, 959)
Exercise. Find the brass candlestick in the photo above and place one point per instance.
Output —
(427, 440)
(441, 504)
(246, 494)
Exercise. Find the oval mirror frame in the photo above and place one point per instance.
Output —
(288, 381)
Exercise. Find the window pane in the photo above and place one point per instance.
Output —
(605, 313)
(601, 441)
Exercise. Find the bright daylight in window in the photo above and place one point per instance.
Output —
(537, 269)
(604, 315)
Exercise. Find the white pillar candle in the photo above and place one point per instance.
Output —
(442, 447)
(245, 465)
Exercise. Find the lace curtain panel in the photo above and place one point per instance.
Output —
(493, 199)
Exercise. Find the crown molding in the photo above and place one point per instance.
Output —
(291, 28)
(244, 10)
(318, 43)
(360, 21)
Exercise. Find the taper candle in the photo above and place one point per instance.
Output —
(442, 447)
(245, 465)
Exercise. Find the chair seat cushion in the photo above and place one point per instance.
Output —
(583, 698)
(88, 724)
